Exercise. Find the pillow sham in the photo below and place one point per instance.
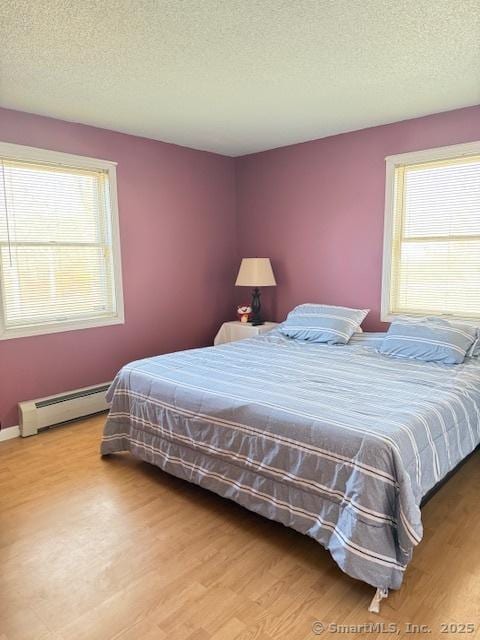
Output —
(429, 339)
(474, 350)
(323, 323)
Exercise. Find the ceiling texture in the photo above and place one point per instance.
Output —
(238, 76)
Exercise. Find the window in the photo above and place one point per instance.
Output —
(59, 245)
(431, 263)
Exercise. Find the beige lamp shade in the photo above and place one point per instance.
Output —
(255, 272)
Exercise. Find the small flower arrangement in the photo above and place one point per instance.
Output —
(244, 311)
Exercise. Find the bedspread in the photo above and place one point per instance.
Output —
(338, 442)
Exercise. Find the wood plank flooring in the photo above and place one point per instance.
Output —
(101, 549)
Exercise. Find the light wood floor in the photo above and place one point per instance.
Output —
(94, 549)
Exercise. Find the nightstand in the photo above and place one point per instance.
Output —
(236, 330)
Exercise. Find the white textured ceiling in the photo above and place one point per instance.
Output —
(237, 76)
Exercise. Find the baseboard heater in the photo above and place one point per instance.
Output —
(47, 412)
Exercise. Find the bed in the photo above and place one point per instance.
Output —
(340, 443)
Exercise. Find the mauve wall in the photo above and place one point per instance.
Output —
(178, 237)
(317, 210)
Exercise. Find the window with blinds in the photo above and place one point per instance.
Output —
(59, 252)
(432, 233)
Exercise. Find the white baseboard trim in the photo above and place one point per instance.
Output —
(9, 433)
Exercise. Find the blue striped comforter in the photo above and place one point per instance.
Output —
(338, 442)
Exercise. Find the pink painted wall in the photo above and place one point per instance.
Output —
(178, 237)
(317, 210)
(185, 216)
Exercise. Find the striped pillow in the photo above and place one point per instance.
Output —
(323, 323)
(474, 350)
(429, 339)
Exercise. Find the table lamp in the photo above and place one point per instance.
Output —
(255, 272)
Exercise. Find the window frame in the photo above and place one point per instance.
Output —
(20, 152)
(392, 162)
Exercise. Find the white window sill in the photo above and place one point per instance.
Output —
(390, 317)
(59, 327)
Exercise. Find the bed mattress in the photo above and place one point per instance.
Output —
(338, 442)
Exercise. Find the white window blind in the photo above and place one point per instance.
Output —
(434, 261)
(57, 267)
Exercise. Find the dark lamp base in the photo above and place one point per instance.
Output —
(256, 318)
